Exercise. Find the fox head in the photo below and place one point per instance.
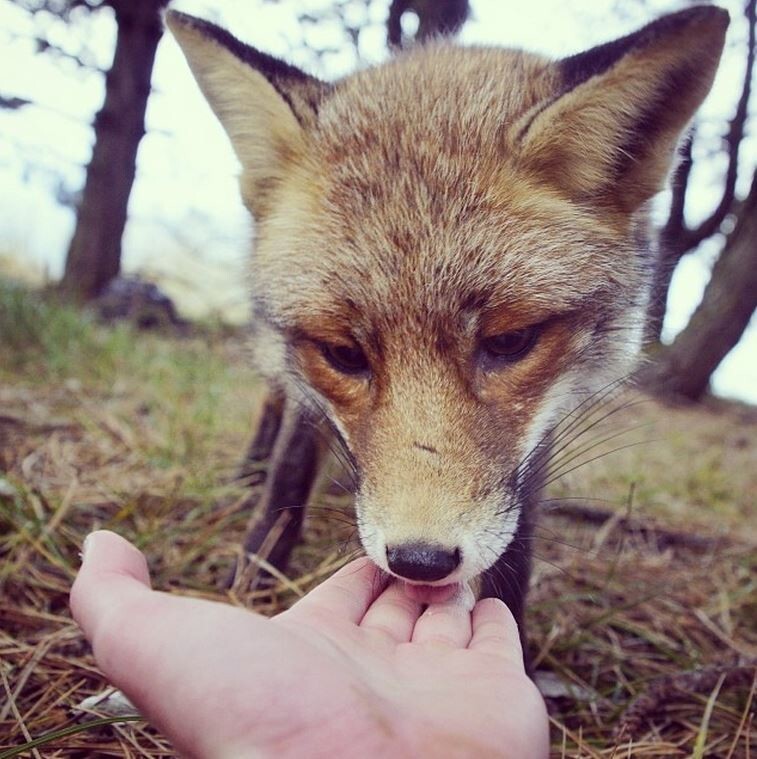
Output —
(451, 252)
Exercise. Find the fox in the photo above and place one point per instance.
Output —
(452, 255)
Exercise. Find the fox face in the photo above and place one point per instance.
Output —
(451, 253)
(445, 344)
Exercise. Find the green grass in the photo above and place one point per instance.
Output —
(185, 391)
(41, 335)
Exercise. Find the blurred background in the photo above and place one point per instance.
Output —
(111, 162)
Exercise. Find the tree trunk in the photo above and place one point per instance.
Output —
(672, 245)
(684, 368)
(94, 254)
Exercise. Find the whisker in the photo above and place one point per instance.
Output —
(596, 458)
(582, 411)
(564, 455)
(589, 445)
(586, 418)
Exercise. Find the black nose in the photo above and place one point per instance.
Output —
(421, 561)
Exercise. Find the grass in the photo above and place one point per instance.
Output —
(643, 611)
(39, 334)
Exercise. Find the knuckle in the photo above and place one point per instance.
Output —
(439, 639)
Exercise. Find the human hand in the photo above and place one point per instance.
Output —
(350, 669)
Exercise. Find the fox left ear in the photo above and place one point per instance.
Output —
(264, 104)
(609, 136)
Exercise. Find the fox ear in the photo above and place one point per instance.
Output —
(610, 134)
(264, 104)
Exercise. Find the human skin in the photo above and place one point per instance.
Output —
(355, 667)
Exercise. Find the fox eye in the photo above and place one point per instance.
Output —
(348, 359)
(510, 346)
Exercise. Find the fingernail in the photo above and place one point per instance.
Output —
(85, 547)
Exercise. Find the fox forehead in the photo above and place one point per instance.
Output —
(440, 96)
(433, 246)
(407, 195)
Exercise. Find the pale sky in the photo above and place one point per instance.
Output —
(187, 227)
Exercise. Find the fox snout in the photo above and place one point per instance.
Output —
(439, 513)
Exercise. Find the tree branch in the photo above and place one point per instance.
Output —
(683, 369)
(676, 223)
(13, 103)
(44, 46)
(688, 239)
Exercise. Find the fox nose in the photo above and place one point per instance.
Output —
(421, 561)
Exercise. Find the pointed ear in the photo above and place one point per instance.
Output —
(264, 104)
(609, 136)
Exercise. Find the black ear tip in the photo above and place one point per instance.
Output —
(722, 13)
(174, 19)
(700, 20)
(713, 15)
(723, 16)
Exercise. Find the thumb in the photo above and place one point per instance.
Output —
(113, 571)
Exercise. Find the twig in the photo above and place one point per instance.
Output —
(16, 713)
(746, 714)
(38, 654)
(668, 687)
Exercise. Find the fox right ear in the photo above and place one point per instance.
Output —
(264, 104)
(609, 134)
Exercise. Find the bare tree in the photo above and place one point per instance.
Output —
(94, 254)
(684, 368)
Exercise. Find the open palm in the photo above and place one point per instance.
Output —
(354, 668)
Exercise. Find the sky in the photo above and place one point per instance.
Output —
(187, 228)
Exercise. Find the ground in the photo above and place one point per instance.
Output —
(643, 608)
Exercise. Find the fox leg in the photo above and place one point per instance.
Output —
(261, 447)
(294, 450)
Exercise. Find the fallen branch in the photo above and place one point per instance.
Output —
(661, 537)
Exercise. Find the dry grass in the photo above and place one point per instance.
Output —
(643, 615)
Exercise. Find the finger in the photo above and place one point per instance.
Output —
(444, 624)
(495, 631)
(112, 572)
(393, 614)
(346, 594)
(163, 651)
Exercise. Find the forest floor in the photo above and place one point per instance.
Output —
(643, 609)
